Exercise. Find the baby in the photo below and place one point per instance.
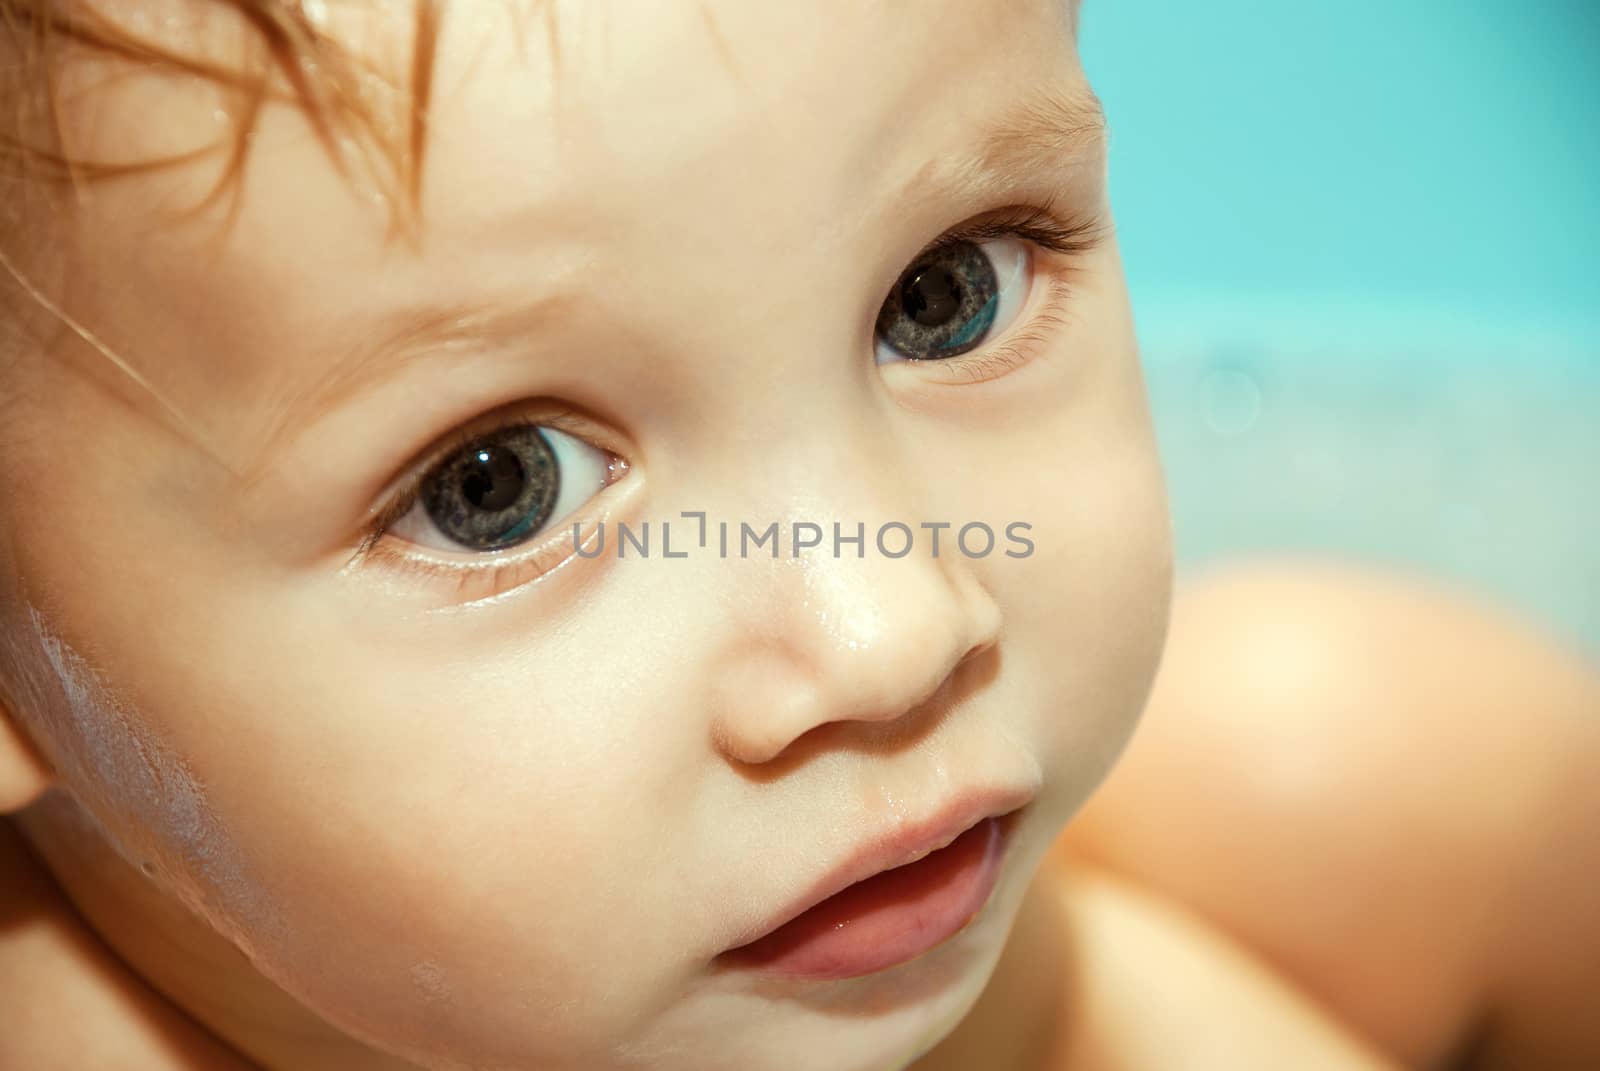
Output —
(584, 536)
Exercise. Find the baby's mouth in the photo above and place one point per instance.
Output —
(891, 916)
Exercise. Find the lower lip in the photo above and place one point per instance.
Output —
(887, 919)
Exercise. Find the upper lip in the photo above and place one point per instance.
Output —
(897, 847)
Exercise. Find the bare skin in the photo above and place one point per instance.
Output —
(1390, 791)
(354, 792)
(1144, 925)
(495, 804)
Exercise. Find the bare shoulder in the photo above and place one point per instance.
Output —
(1156, 988)
(1388, 789)
(66, 1002)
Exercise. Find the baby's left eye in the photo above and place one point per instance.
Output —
(953, 299)
(502, 489)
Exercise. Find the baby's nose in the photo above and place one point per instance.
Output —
(830, 639)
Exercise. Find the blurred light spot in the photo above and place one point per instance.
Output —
(1464, 520)
(1231, 399)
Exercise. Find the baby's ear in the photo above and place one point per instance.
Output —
(24, 776)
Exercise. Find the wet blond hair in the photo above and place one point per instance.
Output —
(372, 122)
(331, 83)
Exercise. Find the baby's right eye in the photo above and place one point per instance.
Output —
(502, 489)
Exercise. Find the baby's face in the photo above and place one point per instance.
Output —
(461, 791)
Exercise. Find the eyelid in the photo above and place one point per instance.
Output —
(1040, 225)
(495, 574)
(1035, 223)
(402, 493)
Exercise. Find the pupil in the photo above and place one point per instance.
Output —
(931, 296)
(494, 481)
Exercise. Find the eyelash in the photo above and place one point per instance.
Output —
(1036, 224)
(1070, 237)
(487, 566)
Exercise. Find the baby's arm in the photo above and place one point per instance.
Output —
(1390, 793)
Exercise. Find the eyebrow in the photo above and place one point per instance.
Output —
(1038, 133)
(392, 341)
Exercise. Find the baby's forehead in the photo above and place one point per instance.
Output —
(590, 93)
(639, 133)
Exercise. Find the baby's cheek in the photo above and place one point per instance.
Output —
(488, 953)
(1088, 608)
(450, 848)
(424, 907)
(134, 791)
(400, 932)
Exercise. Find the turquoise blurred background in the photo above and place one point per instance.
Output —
(1364, 246)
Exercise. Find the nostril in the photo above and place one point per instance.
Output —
(940, 691)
